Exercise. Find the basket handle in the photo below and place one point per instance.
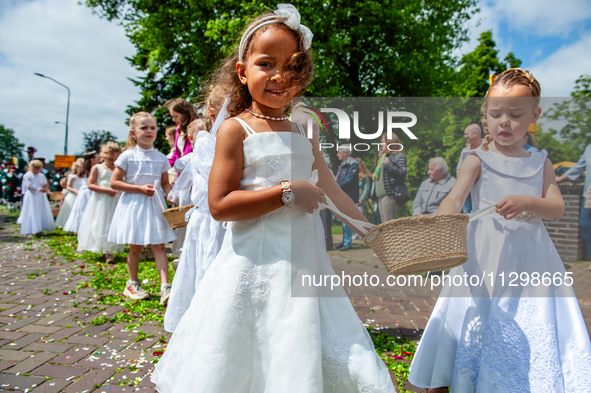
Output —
(485, 211)
(362, 226)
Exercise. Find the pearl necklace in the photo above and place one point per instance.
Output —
(267, 117)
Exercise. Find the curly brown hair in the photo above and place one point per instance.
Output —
(299, 71)
(509, 78)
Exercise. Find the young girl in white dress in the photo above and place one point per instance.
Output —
(36, 215)
(91, 158)
(141, 174)
(72, 186)
(244, 331)
(495, 337)
(96, 222)
(204, 235)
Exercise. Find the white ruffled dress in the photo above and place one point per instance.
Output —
(36, 213)
(204, 235)
(502, 338)
(68, 204)
(138, 218)
(97, 218)
(75, 217)
(245, 331)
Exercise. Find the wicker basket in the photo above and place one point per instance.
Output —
(414, 245)
(56, 196)
(176, 216)
(55, 212)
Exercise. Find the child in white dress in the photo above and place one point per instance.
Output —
(141, 174)
(91, 158)
(72, 186)
(204, 235)
(96, 222)
(524, 331)
(35, 214)
(244, 331)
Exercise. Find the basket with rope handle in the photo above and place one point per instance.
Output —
(56, 196)
(176, 216)
(414, 245)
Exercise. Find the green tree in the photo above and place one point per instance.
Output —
(363, 48)
(576, 112)
(9, 144)
(472, 79)
(93, 140)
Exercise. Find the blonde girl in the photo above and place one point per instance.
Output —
(90, 159)
(35, 214)
(246, 306)
(98, 215)
(141, 175)
(72, 186)
(502, 336)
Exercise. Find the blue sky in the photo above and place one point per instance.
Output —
(64, 40)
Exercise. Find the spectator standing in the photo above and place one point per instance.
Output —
(390, 172)
(584, 164)
(474, 140)
(23, 162)
(434, 189)
(55, 182)
(348, 180)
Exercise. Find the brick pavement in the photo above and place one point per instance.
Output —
(44, 348)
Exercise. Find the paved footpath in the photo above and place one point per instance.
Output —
(44, 350)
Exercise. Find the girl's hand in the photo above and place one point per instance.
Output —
(307, 196)
(511, 206)
(147, 189)
(111, 192)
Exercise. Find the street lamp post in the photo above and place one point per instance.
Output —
(67, 109)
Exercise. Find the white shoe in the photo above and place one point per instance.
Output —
(164, 293)
(134, 291)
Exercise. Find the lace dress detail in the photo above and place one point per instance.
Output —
(251, 286)
(470, 351)
(338, 364)
(577, 370)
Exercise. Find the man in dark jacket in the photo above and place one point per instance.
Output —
(348, 180)
(390, 172)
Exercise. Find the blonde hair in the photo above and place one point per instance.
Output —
(215, 100)
(76, 165)
(36, 165)
(194, 127)
(133, 120)
(509, 78)
(170, 130)
(110, 148)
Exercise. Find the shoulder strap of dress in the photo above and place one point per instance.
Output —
(301, 129)
(246, 127)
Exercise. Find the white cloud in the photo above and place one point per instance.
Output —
(541, 17)
(65, 41)
(558, 72)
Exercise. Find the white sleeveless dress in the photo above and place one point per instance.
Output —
(35, 213)
(203, 238)
(75, 217)
(96, 221)
(489, 339)
(245, 330)
(68, 203)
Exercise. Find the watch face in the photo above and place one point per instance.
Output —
(288, 198)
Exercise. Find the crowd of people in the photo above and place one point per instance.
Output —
(249, 165)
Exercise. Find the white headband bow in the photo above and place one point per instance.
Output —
(292, 19)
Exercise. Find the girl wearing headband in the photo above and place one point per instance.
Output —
(250, 328)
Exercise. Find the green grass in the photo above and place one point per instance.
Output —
(392, 350)
(109, 279)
